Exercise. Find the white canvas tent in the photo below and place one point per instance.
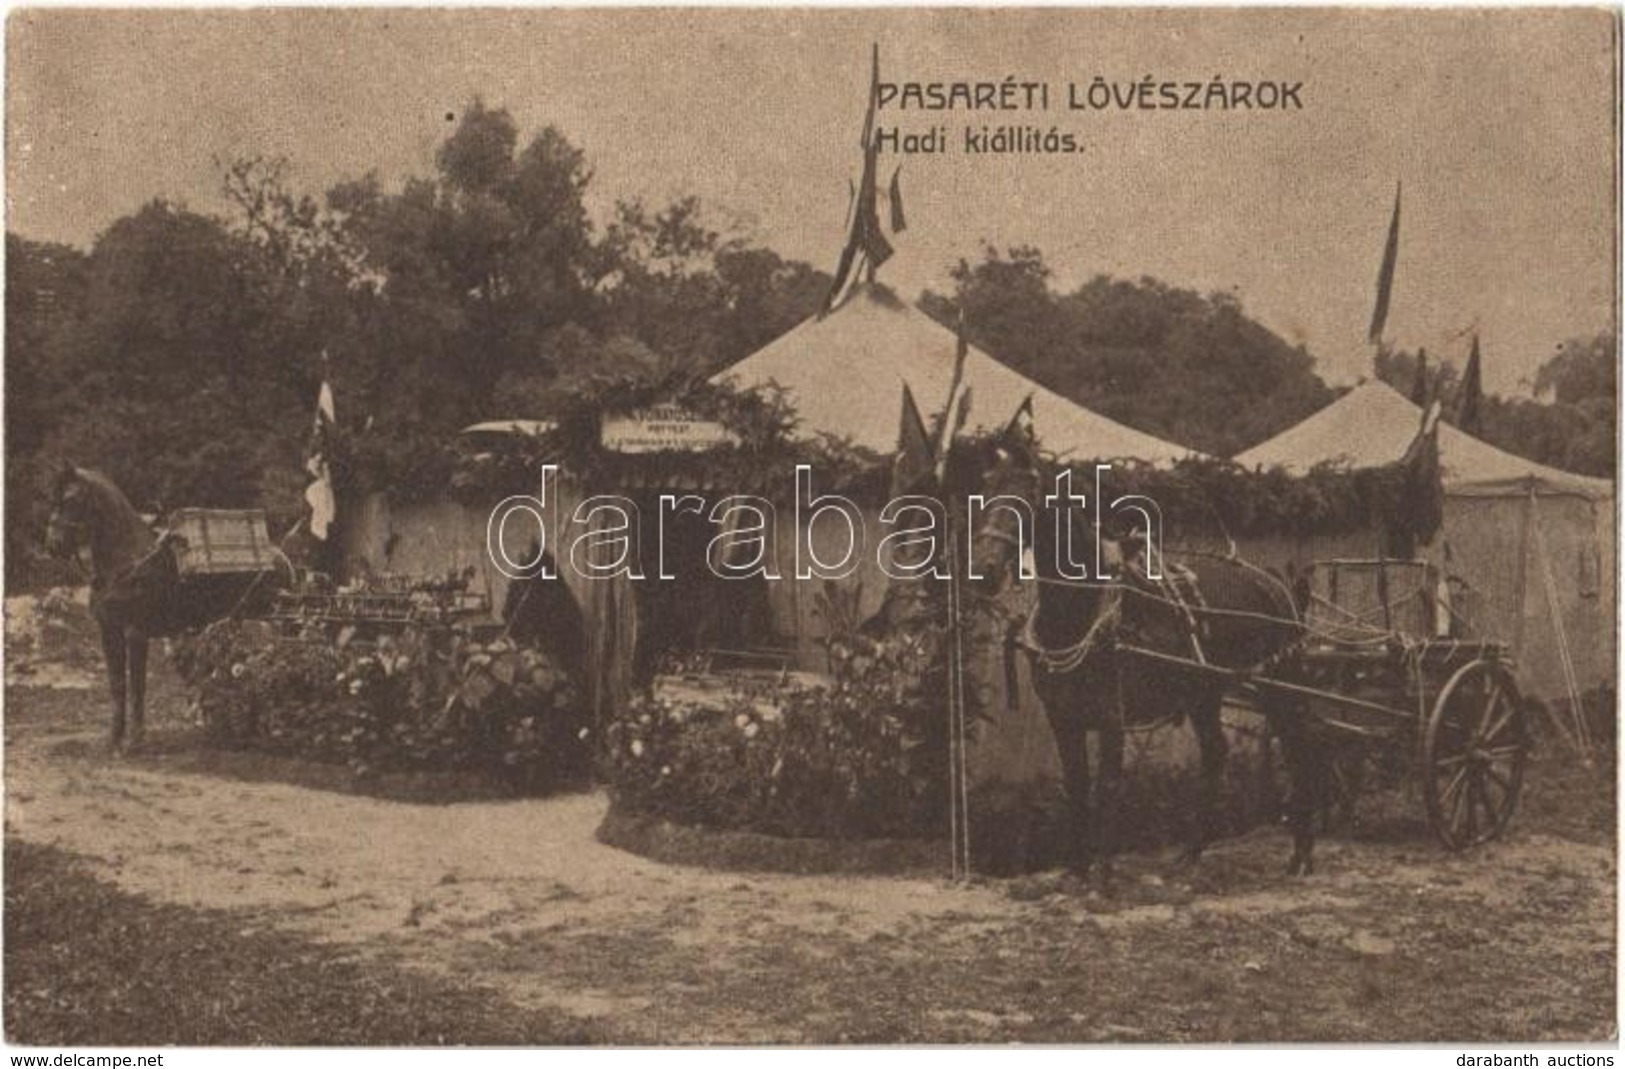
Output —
(844, 373)
(1534, 545)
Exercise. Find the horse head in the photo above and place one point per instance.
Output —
(73, 513)
(88, 511)
(1006, 466)
(1077, 564)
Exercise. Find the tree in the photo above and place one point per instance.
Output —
(1571, 423)
(176, 374)
(182, 353)
(44, 290)
(1165, 360)
(700, 297)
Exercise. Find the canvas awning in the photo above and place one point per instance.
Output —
(844, 374)
(1373, 424)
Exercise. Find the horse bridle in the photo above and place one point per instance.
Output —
(74, 529)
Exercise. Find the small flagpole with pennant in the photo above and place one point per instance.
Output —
(1385, 276)
(319, 494)
(866, 246)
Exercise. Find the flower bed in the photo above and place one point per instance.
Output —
(429, 700)
(761, 779)
(863, 757)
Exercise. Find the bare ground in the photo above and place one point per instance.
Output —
(514, 904)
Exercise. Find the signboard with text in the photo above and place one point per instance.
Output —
(662, 428)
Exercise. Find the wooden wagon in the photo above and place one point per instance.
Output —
(1388, 667)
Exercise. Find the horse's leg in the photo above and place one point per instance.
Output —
(1215, 751)
(136, 653)
(113, 653)
(1303, 803)
(1072, 742)
(1109, 806)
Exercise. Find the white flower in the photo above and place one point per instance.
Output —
(665, 770)
(355, 686)
(238, 670)
(637, 747)
(751, 730)
(583, 733)
(741, 720)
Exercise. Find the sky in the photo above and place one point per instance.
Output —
(1500, 124)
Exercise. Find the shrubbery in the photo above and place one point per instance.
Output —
(863, 757)
(427, 700)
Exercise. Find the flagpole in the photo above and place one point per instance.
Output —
(954, 872)
(958, 764)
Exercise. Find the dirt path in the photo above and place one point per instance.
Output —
(428, 884)
(1393, 940)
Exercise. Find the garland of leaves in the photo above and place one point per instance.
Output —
(1207, 495)
(1217, 496)
(761, 459)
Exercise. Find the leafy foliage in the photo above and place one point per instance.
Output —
(1216, 496)
(181, 353)
(1572, 426)
(761, 458)
(862, 757)
(1166, 360)
(425, 700)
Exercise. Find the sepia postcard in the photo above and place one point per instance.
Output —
(768, 526)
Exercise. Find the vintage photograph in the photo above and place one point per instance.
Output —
(788, 526)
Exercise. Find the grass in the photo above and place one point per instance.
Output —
(89, 965)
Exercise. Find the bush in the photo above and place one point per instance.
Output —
(863, 757)
(429, 700)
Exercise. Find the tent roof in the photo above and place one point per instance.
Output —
(844, 373)
(1373, 424)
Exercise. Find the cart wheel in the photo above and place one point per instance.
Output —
(1473, 755)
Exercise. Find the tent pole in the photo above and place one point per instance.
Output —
(1580, 738)
(1526, 530)
(1524, 526)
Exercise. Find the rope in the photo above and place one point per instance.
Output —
(281, 549)
(1571, 682)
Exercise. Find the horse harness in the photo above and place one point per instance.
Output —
(127, 577)
(1178, 589)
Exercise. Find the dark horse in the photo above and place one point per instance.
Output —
(543, 614)
(1223, 612)
(136, 592)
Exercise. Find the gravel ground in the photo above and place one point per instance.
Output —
(282, 912)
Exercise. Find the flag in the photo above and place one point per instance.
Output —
(957, 410)
(1020, 427)
(1421, 505)
(1419, 384)
(319, 494)
(1385, 275)
(898, 223)
(1470, 418)
(913, 462)
(865, 238)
